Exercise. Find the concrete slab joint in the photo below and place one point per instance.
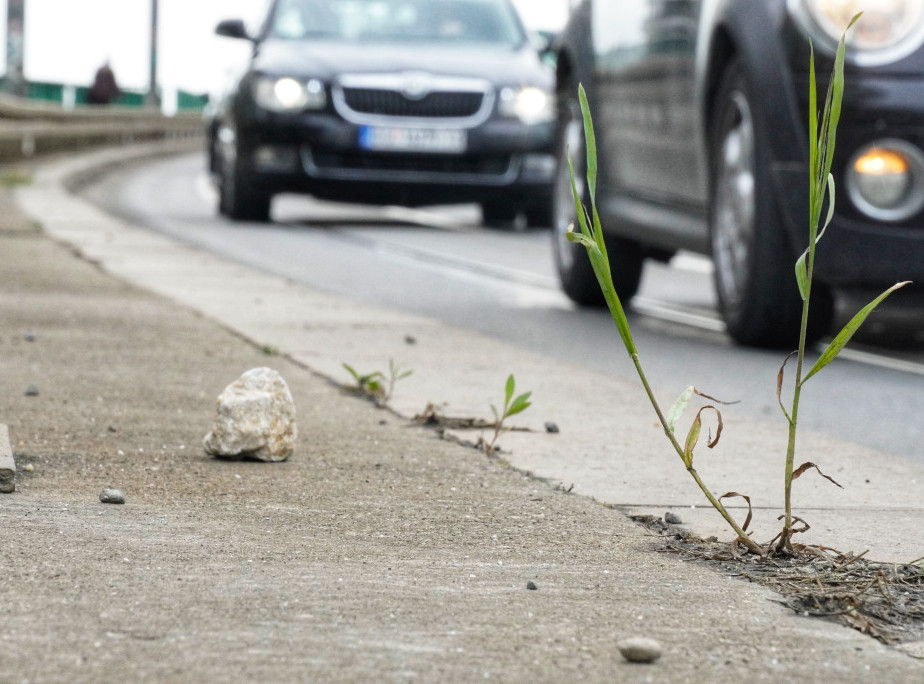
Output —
(7, 464)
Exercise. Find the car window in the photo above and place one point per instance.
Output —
(464, 21)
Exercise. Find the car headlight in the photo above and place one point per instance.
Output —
(887, 31)
(530, 105)
(288, 94)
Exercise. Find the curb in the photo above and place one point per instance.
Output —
(7, 464)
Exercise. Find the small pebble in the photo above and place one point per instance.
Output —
(112, 496)
(32, 391)
(410, 339)
(531, 586)
(29, 336)
(551, 427)
(639, 650)
(672, 519)
(28, 467)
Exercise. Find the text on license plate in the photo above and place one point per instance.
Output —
(412, 139)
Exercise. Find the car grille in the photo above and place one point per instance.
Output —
(492, 166)
(390, 103)
(413, 99)
(411, 168)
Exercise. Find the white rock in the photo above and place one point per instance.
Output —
(639, 650)
(255, 418)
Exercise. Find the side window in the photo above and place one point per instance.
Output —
(295, 19)
(290, 20)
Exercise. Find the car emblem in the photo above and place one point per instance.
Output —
(416, 85)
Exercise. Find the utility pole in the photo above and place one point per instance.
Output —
(15, 21)
(153, 98)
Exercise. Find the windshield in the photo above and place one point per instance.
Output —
(463, 21)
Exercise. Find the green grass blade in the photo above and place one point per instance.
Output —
(579, 205)
(830, 207)
(591, 142)
(509, 389)
(351, 371)
(679, 407)
(802, 278)
(813, 118)
(520, 404)
(591, 236)
(835, 98)
(843, 337)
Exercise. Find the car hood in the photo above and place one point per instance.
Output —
(326, 60)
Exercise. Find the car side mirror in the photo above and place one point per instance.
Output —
(545, 43)
(232, 28)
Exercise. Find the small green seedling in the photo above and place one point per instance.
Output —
(822, 185)
(16, 178)
(512, 406)
(376, 385)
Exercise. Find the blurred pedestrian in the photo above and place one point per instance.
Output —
(104, 89)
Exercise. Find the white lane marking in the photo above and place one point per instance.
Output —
(878, 360)
(474, 266)
(673, 314)
(661, 310)
(694, 263)
(204, 188)
(425, 217)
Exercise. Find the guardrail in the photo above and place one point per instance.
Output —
(29, 128)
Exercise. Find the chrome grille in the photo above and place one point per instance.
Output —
(413, 99)
(390, 103)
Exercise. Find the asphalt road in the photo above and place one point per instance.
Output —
(440, 263)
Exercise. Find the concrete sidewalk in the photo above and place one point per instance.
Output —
(378, 551)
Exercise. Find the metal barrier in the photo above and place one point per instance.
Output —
(29, 128)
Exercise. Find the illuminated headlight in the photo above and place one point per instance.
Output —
(887, 31)
(530, 105)
(288, 94)
(885, 180)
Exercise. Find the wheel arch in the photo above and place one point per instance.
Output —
(753, 32)
(739, 29)
(575, 53)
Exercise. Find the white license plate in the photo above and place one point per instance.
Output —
(385, 138)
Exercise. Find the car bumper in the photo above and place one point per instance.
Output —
(858, 249)
(322, 156)
(854, 252)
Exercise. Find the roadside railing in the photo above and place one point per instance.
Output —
(29, 128)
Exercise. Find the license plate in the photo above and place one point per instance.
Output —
(385, 138)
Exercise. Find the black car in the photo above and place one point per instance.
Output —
(700, 109)
(409, 102)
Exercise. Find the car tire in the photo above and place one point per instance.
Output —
(236, 199)
(577, 277)
(753, 261)
(499, 214)
(540, 214)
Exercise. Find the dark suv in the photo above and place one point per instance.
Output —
(388, 101)
(700, 109)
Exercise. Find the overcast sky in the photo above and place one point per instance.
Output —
(66, 40)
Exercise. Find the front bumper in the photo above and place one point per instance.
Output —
(858, 250)
(320, 154)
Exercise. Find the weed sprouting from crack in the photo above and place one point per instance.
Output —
(512, 406)
(882, 600)
(431, 416)
(377, 385)
(822, 134)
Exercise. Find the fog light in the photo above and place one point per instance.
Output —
(885, 180)
(272, 159)
(539, 167)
